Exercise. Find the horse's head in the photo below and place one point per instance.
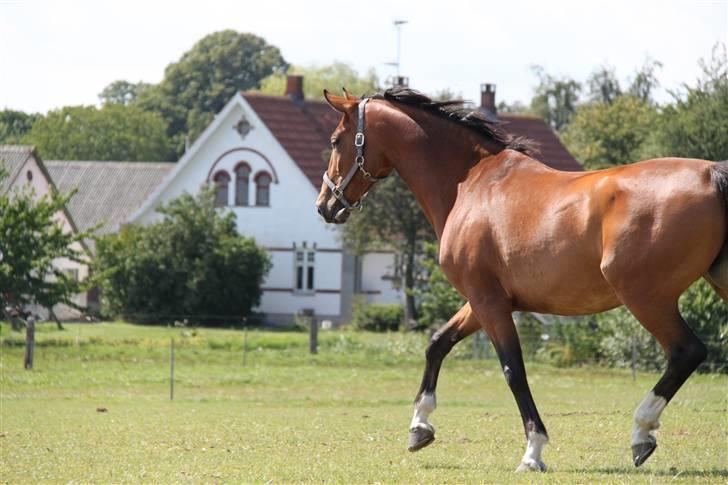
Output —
(357, 159)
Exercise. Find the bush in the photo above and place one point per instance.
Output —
(192, 265)
(377, 317)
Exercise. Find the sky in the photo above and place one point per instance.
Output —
(57, 53)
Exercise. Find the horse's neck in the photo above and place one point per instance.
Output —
(435, 163)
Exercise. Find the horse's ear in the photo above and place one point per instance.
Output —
(339, 103)
(349, 96)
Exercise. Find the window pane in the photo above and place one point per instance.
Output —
(310, 278)
(310, 257)
(299, 278)
(261, 195)
(299, 256)
(241, 191)
(222, 179)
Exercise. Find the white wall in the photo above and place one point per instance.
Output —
(376, 284)
(291, 217)
(41, 187)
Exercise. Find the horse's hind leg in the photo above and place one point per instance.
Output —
(495, 315)
(684, 353)
(464, 323)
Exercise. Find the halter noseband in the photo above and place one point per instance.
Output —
(338, 190)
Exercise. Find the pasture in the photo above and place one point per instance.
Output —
(96, 408)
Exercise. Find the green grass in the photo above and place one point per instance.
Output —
(340, 416)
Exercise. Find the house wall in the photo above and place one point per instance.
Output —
(290, 219)
(41, 187)
(377, 273)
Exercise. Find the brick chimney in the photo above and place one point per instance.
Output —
(294, 86)
(487, 97)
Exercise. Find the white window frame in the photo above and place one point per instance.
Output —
(306, 264)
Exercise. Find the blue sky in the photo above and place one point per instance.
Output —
(63, 53)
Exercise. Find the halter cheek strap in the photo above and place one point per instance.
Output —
(338, 190)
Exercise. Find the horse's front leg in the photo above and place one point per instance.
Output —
(464, 323)
(494, 311)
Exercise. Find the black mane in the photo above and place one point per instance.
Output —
(460, 112)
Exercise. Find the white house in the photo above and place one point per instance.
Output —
(266, 155)
(26, 171)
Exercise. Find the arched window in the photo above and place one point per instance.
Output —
(222, 181)
(262, 189)
(242, 173)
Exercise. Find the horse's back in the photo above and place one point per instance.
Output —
(559, 241)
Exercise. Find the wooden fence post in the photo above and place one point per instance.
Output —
(171, 369)
(29, 342)
(313, 331)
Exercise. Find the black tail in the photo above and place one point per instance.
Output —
(719, 269)
(719, 177)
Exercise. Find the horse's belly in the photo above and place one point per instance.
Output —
(561, 290)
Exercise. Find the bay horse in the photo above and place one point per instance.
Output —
(516, 235)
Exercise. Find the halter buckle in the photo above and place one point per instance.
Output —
(359, 140)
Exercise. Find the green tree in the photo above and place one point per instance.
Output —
(696, 125)
(645, 81)
(114, 132)
(603, 85)
(15, 124)
(193, 264)
(122, 92)
(31, 239)
(196, 87)
(555, 99)
(601, 135)
(392, 216)
(317, 78)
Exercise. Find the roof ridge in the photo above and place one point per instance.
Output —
(108, 162)
(17, 148)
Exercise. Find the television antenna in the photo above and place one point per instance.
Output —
(398, 25)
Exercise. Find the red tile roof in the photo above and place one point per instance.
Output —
(552, 152)
(303, 129)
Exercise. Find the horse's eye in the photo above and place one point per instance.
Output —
(334, 142)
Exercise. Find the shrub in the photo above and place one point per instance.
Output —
(377, 317)
(192, 265)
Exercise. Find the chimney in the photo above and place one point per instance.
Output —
(487, 97)
(294, 86)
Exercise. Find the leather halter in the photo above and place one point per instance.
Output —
(338, 190)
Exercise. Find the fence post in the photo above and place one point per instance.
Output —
(245, 344)
(29, 341)
(171, 369)
(313, 330)
(634, 358)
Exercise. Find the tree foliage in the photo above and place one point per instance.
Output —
(193, 264)
(605, 134)
(206, 77)
(14, 125)
(555, 99)
(114, 132)
(392, 217)
(317, 78)
(122, 92)
(31, 239)
(696, 125)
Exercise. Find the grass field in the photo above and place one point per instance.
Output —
(340, 416)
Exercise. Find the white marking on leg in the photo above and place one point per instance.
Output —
(647, 418)
(423, 408)
(532, 458)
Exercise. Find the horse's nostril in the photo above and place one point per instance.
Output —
(318, 208)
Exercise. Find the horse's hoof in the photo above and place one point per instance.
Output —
(642, 451)
(531, 465)
(419, 438)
